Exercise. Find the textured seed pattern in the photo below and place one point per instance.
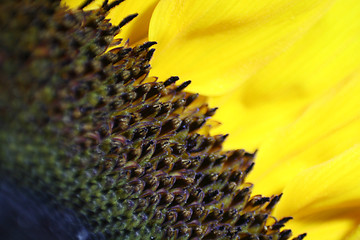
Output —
(129, 153)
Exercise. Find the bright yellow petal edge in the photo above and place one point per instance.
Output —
(312, 70)
(325, 197)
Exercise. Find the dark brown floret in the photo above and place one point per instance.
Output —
(86, 125)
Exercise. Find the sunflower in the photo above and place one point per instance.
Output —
(284, 74)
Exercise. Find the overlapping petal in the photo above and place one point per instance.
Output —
(276, 95)
(327, 193)
(220, 44)
(326, 128)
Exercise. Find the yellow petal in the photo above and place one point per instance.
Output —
(327, 53)
(322, 228)
(331, 186)
(325, 199)
(138, 28)
(327, 128)
(250, 125)
(355, 235)
(219, 44)
(276, 95)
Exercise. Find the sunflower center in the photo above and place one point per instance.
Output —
(89, 127)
